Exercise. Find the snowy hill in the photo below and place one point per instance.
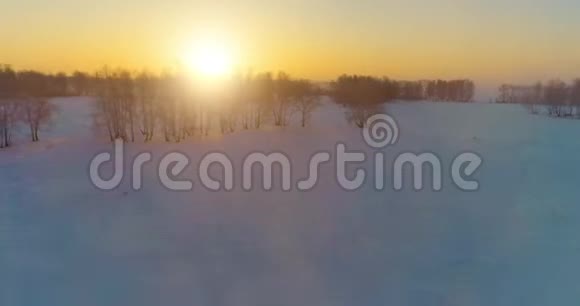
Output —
(513, 242)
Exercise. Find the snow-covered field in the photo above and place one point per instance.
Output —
(515, 241)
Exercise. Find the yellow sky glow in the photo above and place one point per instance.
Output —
(489, 42)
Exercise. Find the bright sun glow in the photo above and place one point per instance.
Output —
(209, 59)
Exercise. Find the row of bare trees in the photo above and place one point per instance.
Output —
(557, 97)
(24, 99)
(171, 105)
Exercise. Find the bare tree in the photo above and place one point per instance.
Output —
(126, 98)
(362, 95)
(282, 99)
(110, 109)
(9, 116)
(575, 96)
(146, 91)
(37, 112)
(244, 97)
(556, 95)
(175, 109)
(8, 105)
(34, 89)
(306, 100)
(262, 93)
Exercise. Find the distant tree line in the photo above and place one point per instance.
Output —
(557, 97)
(436, 90)
(142, 105)
(365, 96)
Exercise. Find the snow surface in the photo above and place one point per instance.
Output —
(513, 242)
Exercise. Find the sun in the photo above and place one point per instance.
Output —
(209, 58)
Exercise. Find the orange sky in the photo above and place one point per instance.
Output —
(490, 42)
